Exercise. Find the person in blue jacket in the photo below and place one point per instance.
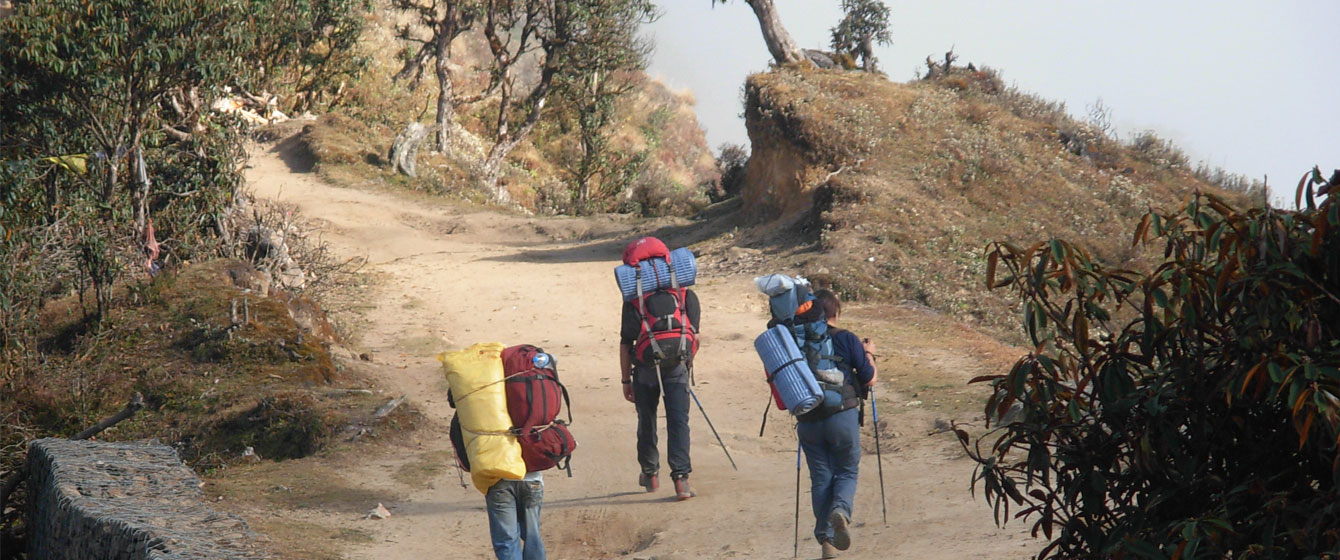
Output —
(831, 437)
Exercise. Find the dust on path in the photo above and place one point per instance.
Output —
(453, 276)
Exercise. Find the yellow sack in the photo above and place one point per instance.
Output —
(476, 378)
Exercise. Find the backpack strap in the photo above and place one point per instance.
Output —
(772, 375)
(567, 404)
(642, 314)
(681, 307)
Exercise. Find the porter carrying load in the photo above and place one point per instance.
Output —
(475, 375)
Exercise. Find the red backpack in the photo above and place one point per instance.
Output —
(667, 332)
(534, 399)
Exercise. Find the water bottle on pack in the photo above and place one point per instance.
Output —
(542, 360)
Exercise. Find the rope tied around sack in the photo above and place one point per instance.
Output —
(509, 431)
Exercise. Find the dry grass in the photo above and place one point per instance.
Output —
(349, 146)
(930, 172)
(212, 386)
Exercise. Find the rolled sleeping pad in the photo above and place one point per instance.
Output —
(476, 378)
(656, 274)
(791, 375)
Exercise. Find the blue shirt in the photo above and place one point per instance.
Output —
(847, 345)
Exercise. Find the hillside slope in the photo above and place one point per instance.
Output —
(890, 191)
(657, 153)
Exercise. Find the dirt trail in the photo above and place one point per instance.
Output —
(451, 277)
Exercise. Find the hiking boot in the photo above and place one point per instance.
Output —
(829, 551)
(648, 481)
(682, 491)
(841, 538)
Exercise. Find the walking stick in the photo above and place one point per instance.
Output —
(874, 410)
(765, 416)
(714, 430)
(795, 548)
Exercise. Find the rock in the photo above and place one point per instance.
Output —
(268, 249)
(263, 243)
(379, 512)
(821, 59)
(405, 148)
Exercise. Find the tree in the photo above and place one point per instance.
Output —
(105, 101)
(550, 31)
(780, 44)
(1191, 411)
(99, 72)
(306, 49)
(600, 71)
(866, 22)
(447, 19)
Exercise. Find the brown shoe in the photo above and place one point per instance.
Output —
(830, 551)
(682, 491)
(841, 538)
(648, 481)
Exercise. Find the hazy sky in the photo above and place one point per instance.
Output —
(1253, 87)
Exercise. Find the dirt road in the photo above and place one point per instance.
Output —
(450, 277)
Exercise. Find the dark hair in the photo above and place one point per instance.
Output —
(828, 299)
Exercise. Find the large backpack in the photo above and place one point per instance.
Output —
(534, 399)
(667, 334)
(797, 309)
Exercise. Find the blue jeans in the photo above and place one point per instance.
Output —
(833, 451)
(514, 519)
(647, 391)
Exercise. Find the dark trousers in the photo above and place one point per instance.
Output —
(647, 390)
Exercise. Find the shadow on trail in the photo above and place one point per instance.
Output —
(293, 151)
(567, 503)
(607, 499)
(713, 221)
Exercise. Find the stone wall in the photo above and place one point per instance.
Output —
(126, 501)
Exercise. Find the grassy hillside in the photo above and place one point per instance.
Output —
(890, 191)
(221, 366)
(664, 164)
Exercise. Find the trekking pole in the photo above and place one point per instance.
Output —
(713, 428)
(766, 408)
(879, 458)
(795, 548)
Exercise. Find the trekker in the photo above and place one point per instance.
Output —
(832, 440)
(513, 506)
(658, 337)
(514, 517)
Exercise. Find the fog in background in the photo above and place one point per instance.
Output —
(1253, 87)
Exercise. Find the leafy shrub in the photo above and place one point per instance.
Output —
(1191, 411)
(656, 193)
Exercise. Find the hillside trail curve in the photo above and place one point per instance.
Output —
(450, 275)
